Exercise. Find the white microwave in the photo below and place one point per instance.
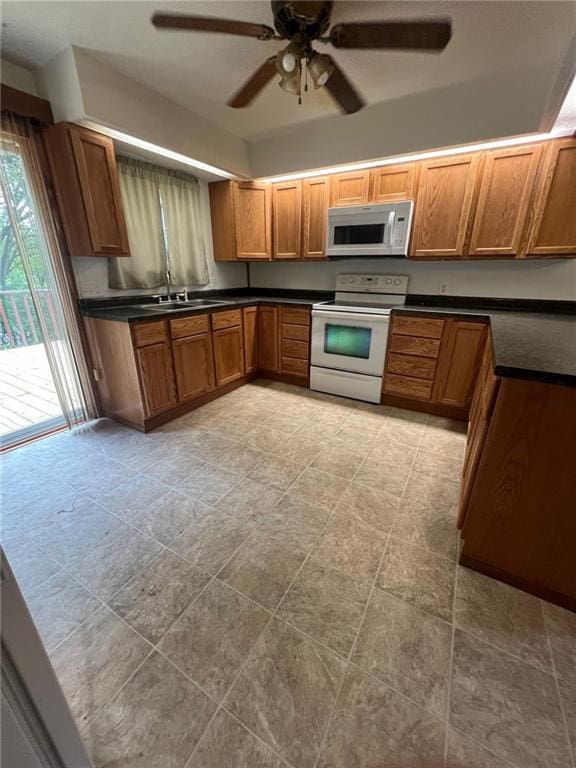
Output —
(369, 230)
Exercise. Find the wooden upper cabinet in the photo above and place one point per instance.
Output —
(315, 193)
(194, 365)
(458, 363)
(505, 193)
(156, 377)
(250, 323)
(554, 227)
(85, 175)
(286, 219)
(268, 338)
(443, 205)
(252, 215)
(228, 354)
(350, 188)
(393, 182)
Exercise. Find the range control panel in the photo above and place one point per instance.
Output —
(358, 283)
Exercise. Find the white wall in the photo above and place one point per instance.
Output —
(92, 273)
(554, 279)
(17, 77)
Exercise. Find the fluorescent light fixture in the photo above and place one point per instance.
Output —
(158, 150)
(422, 156)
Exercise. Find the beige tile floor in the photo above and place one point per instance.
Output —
(272, 581)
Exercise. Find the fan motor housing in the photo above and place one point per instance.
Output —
(308, 17)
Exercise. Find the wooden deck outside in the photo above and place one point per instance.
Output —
(27, 393)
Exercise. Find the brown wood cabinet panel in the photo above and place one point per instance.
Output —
(292, 348)
(149, 333)
(458, 364)
(407, 387)
(85, 176)
(554, 226)
(286, 219)
(223, 221)
(295, 366)
(228, 347)
(157, 378)
(296, 332)
(315, 193)
(193, 365)
(295, 315)
(252, 220)
(413, 345)
(443, 206)
(187, 326)
(427, 327)
(393, 182)
(507, 184)
(250, 323)
(350, 188)
(269, 338)
(407, 365)
(227, 319)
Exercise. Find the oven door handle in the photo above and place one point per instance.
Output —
(333, 314)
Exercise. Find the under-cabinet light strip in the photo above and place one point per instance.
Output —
(158, 150)
(460, 150)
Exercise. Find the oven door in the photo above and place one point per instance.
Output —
(349, 341)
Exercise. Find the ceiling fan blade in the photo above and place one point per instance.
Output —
(254, 84)
(433, 35)
(342, 90)
(210, 24)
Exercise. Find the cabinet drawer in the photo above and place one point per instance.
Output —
(188, 326)
(227, 319)
(298, 349)
(295, 366)
(297, 332)
(295, 315)
(427, 327)
(149, 333)
(408, 387)
(413, 345)
(410, 365)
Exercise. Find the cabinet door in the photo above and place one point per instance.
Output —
(252, 220)
(314, 217)
(98, 176)
(442, 210)
(350, 188)
(157, 378)
(506, 187)
(286, 219)
(228, 354)
(268, 339)
(250, 320)
(393, 182)
(458, 363)
(554, 226)
(194, 365)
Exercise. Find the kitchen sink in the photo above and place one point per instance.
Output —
(167, 306)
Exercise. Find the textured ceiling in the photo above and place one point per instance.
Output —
(200, 71)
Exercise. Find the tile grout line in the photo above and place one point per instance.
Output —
(450, 665)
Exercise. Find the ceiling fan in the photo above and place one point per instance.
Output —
(302, 23)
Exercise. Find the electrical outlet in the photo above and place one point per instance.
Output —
(442, 287)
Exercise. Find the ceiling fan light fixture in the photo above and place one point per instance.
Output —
(320, 68)
(288, 60)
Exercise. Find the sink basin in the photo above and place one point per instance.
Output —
(168, 306)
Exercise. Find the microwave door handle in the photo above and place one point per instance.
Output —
(390, 228)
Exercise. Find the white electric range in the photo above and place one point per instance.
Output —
(350, 334)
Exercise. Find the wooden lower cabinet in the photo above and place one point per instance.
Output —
(268, 339)
(458, 363)
(194, 365)
(156, 378)
(228, 354)
(250, 324)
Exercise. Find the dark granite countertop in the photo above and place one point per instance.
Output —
(532, 340)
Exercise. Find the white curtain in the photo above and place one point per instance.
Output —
(145, 267)
(164, 223)
(180, 196)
